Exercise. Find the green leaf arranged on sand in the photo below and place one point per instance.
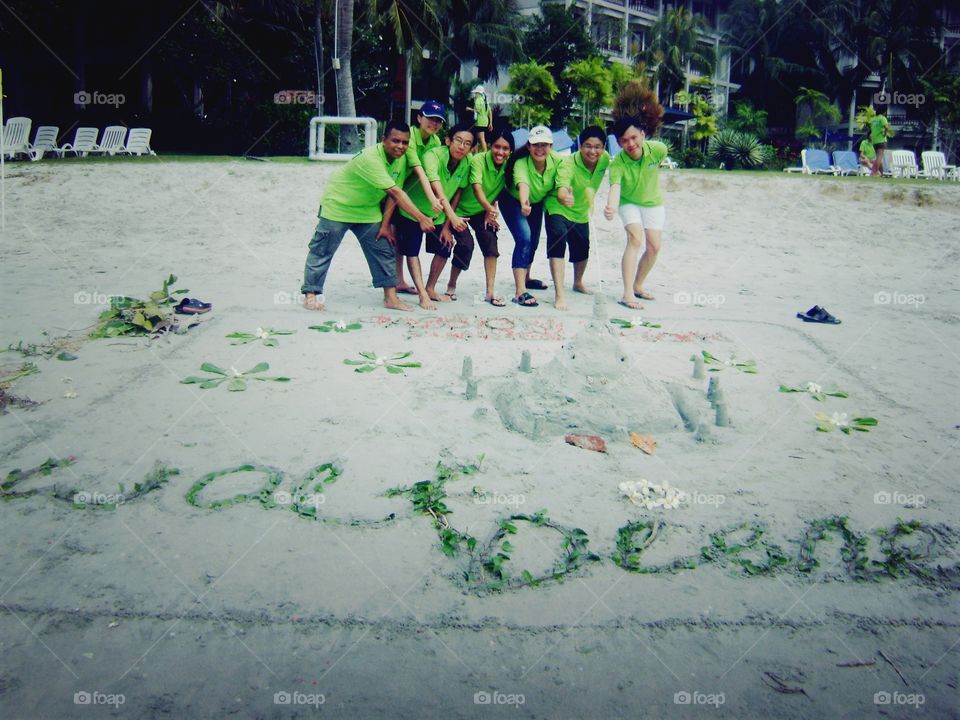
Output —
(846, 424)
(749, 366)
(633, 322)
(817, 392)
(264, 334)
(392, 363)
(236, 380)
(339, 326)
(132, 316)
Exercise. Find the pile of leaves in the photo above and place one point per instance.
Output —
(132, 316)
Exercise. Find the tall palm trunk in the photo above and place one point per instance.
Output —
(347, 106)
(318, 44)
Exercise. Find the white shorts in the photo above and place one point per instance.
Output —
(651, 218)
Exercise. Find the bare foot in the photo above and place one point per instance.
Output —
(630, 303)
(582, 289)
(398, 305)
(425, 302)
(451, 293)
(560, 303)
(436, 297)
(310, 302)
(643, 294)
(406, 289)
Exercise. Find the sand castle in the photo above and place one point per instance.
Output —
(590, 386)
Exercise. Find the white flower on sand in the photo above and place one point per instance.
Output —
(379, 361)
(262, 334)
(636, 322)
(814, 388)
(340, 325)
(841, 420)
(234, 372)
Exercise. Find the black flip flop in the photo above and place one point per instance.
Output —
(536, 285)
(817, 314)
(524, 300)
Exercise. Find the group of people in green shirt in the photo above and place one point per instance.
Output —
(412, 187)
(872, 147)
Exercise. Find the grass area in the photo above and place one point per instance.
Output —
(164, 158)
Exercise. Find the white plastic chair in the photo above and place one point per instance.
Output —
(903, 163)
(935, 166)
(112, 140)
(44, 142)
(16, 137)
(668, 163)
(138, 142)
(84, 141)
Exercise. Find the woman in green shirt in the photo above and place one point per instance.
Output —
(569, 208)
(531, 176)
(478, 206)
(482, 118)
(635, 195)
(879, 132)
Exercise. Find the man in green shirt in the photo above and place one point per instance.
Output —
(635, 195)
(482, 117)
(879, 132)
(448, 171)
(568, 210)
(352, 202)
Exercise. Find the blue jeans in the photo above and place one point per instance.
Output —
(327, 238)
(525, 230)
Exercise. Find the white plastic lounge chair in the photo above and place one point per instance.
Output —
(903, 163)
(111, 142)
(16, 137)
(668, 163)
(816, 162)
(84, 141)
(44, 142)
(848, 163)
(138, 142)
(935, 166)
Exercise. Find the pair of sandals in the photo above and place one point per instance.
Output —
(192, 306)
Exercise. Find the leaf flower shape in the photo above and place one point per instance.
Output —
(392, 364)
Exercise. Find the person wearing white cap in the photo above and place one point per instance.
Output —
(531, 176)
(482, 117)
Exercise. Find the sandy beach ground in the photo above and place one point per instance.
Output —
(156, 607)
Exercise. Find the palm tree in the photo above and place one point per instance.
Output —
(674, 45)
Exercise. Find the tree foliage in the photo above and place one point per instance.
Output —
(534, 84)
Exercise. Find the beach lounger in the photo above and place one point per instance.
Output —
(848, 163)
(613, 147)
(16, 137)
(668, 163)
(817, 162)
(935, 166)
(84, 141)
(111, 142)
(903, 163)
(44, 142)
(562, 142)
(138, 142)
(520, 137)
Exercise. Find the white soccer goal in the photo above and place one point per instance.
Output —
(367, 127)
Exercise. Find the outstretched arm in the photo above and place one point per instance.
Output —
(613, 202)
(400, 198)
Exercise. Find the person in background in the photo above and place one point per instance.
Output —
(880, 130)
(482, 117)
(868, 154)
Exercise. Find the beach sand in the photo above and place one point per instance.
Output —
(160, 608)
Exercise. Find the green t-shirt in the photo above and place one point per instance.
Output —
(435, 167)
(354, 192)
(488, 177)
(481, 111)
(418, 147)
(878, 129)
(573, 174)
(869, 152)
(639, 179)
(524, 171)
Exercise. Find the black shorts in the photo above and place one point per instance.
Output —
(880, 146)
(410, 236)
(486, 239)
(479, 129)
(562, 233)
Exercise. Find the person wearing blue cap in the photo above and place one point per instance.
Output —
(423, 137)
